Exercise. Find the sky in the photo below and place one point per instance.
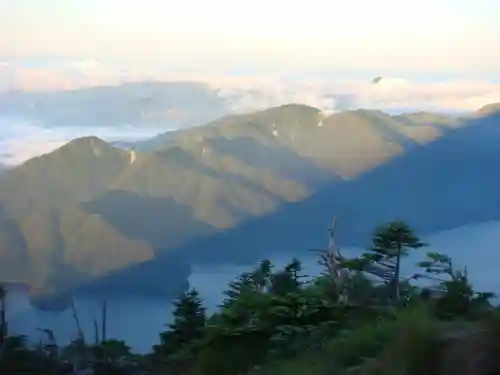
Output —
(439, 35)
(441, 55)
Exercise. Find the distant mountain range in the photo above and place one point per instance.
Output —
(168, 104)
(100, 218)
(172, 104)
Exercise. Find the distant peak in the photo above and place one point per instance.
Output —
(489, 109)
(298, 106)
(91, 139)
(293, 107)
(92, 143)
(366, 112)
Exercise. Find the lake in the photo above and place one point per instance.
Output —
(138, 320)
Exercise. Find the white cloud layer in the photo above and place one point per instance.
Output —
(388, 94)
(20, 141)
(244, 93)
(268, 88)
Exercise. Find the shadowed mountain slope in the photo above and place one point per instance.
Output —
(445, 184)
(96, 215)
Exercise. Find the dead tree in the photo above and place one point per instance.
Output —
(3, 320)
(50, 348)
(96, 333)
(331, 259)
(104, 320)
(77, 322)
(80, 354)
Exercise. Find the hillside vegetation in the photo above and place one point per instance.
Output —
(89, 211)
(361, 316)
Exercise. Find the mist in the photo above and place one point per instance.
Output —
(21, 140)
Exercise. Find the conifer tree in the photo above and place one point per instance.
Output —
(259, 280)
(390, 243)
(288, 280)
(188, 324)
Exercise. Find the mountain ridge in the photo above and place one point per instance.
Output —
(173, 104)
(90, 213)
(392, 190)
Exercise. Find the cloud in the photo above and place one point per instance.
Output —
(20, 141)
(243, 93)
(390, 93)
(264, 88)
(386, 34)
(462, 95)
(85, 64)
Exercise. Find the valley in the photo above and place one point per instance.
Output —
(249, 188)
(95, 218)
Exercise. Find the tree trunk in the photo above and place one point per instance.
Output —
(3, 320)
(96, 333)
(397, 273)
(104, 321)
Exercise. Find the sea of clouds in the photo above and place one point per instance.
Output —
(243, 92)
(391, 94)
(21, 140)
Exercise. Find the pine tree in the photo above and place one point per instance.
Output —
(390, 243)
(188, 325)
(261, 276)
(259, 280)
(237, 288)
(455, 294)
(288, 280)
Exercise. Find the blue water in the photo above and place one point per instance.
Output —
(138, 320)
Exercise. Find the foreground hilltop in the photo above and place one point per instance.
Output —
(89, 210)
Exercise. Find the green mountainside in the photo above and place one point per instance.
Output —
(345, 143)
(489, 109)
(89, 209)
